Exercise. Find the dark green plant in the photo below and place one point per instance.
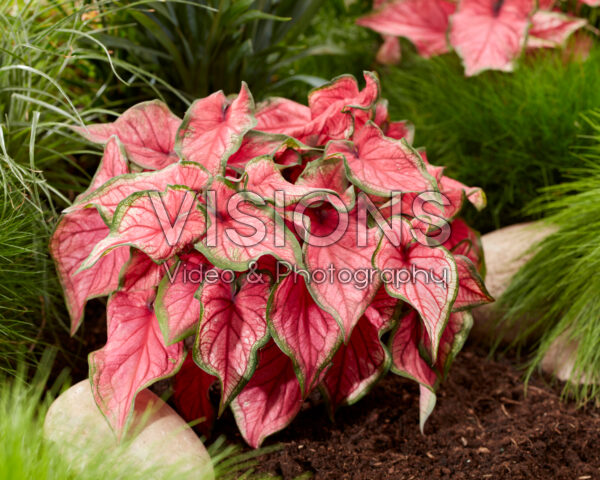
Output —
(200, 46)
(558, 289)
(508, 133)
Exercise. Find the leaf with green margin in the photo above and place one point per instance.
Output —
(236, 219)
(431, 293)
(380, 165)
(213, 129)
(176, 306)
(472, 292)
(358, 366)
(147, 131)
(160, 225)
(233, 326)
(133, 358)
(108, 197)
(70, 244)
(270, 400)
(306, 333)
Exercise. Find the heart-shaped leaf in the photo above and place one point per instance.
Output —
(552, 29)
(304, 331)
(160, 225)
(490, 34)
(213, 129)
(147, 131)
(133, 358)
(270, 400)
(423, 22)
(71, 243)
(233, 326)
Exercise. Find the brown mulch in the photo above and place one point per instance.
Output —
(484, 427)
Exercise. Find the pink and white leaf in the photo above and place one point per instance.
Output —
(133, 358)
(552, 29)
(233, 326)
(71, 243)
(213, 129)
(423, 22)
(303, 330)
(147, 131)
(490, 34)
(158, 224)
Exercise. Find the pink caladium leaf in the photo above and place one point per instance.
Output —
(423, 22)
(108, 197)
(140, 273)
(147, 131)
(233, 326)
(328, 174)
(382, 165)
(454, 337)
(328, 253)
(552, 29)
(243, 228)
(263, 177)
(465, 241)
(302, 329)
(490, 34)
(337, 106)
(133, 358)
(191, 397)
(270, 400)
(471, 289)
(423, 276)
(283, 116)
(71, 243)
(400, 130)
(113, 164)
(404, 349)
(176, 307)
(390, 52)
(456, 191)
(257, 144)
(158, 224)
(213, 129)
(357, 366)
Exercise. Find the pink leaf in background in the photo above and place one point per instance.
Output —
(471, 289)
(71, 243)
(552, 29)
(213, 129)
(423, 22)
(113, 164)
(147, 131)
(390, 52)
(270, 400)
(233, 327)
(490, 34)
(133, 358)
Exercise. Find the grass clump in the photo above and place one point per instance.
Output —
(511, 134)
(558, 289)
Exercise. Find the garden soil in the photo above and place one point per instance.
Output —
(485, 426)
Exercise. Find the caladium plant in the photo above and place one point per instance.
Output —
(272, 250)
(486, 34)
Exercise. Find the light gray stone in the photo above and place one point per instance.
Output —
(160, 438)
(506, 251)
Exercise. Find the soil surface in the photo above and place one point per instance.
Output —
(484, 427)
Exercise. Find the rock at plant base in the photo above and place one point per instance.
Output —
(506, 251)
(161, 440)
